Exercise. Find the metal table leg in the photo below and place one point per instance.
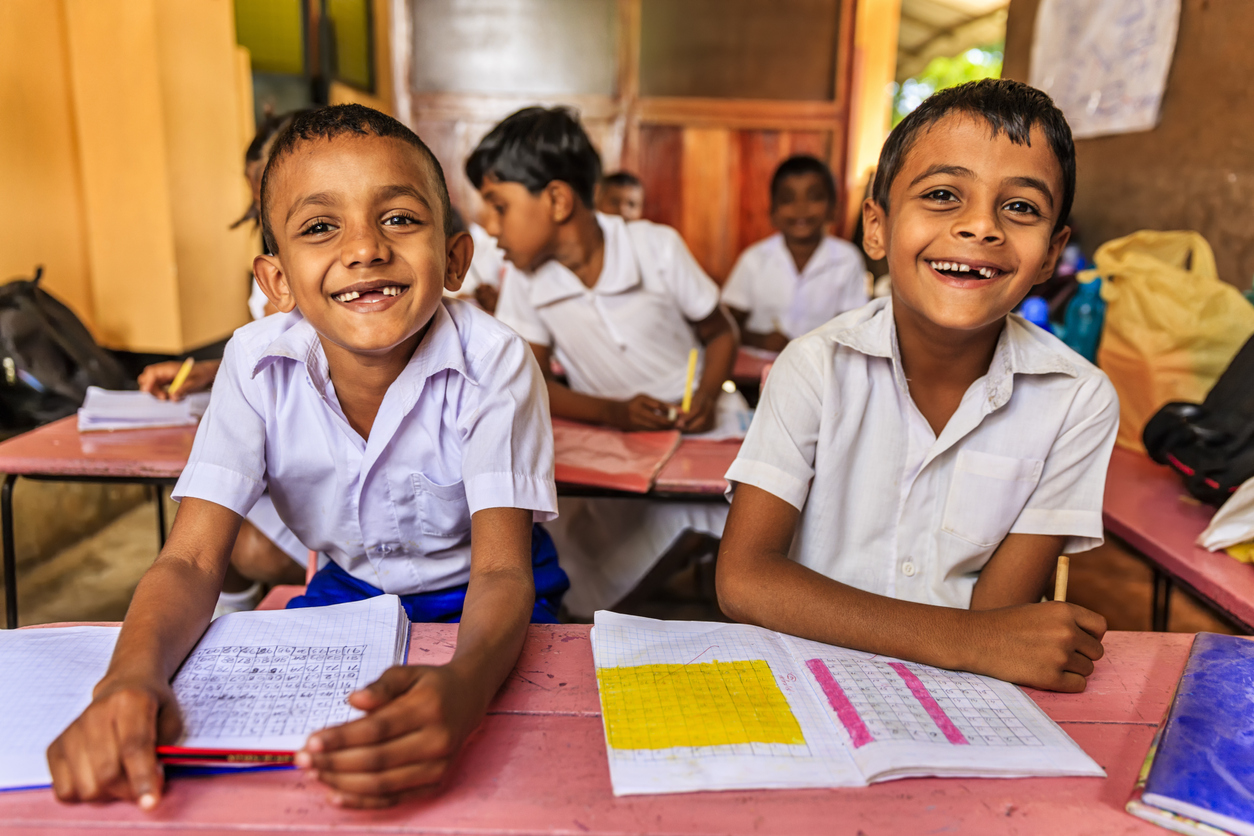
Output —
(10, 553)
(1160, 611)
(156, 489)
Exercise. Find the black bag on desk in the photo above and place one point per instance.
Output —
(1211, 445)
(47, 358)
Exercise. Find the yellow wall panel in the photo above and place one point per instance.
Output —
(41, 202)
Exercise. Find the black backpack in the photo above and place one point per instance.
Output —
(47, 358)
(1211, 445)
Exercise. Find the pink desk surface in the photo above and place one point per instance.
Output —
(537, 765)
(58, 449)
(1147, 506)
(697, 467)
(602, 457)
(750, 363)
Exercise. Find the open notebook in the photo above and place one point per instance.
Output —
(253, 689)
(691, 706)
(106, 409)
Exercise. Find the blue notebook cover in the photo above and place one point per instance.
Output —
(1204, 768)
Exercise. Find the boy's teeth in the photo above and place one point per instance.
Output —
(347, 297)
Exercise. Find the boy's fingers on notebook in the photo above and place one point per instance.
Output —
(424, 744)
(137, 744)
(391, 684)
(388, 782)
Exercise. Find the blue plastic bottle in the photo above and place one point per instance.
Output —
(1036, 311)
(1086, 312)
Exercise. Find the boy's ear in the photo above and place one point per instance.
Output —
(460, 250)
(273, 282)
(874, 229)
(1057, 244)
(561, 200)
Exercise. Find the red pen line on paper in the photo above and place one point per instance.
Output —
(933, 709)
(844, 709)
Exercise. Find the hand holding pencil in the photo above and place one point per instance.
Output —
(160, 379)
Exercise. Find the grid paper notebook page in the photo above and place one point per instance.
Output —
(691, 706)
(105, 409)
(264, 681)
(48, 677)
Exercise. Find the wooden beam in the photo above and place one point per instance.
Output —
(765, 114)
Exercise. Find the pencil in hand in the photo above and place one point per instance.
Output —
(1060, 582)
(692, 373)
(181, 378)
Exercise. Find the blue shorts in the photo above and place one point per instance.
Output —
(332, 585)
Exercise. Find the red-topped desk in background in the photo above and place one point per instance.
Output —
(1147, 507)
(537, 765)
(58, 452)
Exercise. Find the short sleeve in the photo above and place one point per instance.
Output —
(695, 293)
(1068, 499)
(779, 449)
(227, 465)
(507, 455)
(514, 308)
(737, 292)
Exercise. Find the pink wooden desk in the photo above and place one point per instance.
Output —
(747, 370)
(697, 468)
(59, 452)
(592, 460)
(1146, 507)
(538, 765)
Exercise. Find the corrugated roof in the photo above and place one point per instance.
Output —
(930, 28)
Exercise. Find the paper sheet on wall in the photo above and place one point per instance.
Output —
(691, 706)
(1105, 62)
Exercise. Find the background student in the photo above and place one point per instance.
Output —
(916, 466)
(621, 304)
(402, 434)
(622, 194)
(800, 277)
(266, 552)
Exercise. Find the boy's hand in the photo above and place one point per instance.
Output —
(1051, 646)
(642, 413)
(110, 751)
(417, 718)
(156, 379)
(701, 417)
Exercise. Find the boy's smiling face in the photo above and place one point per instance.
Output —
(361, 245)
(801, 207)
(970, 228)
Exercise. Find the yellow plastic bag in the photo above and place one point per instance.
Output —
(1172, 326)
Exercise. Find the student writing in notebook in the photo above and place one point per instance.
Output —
(800, 277)
(621, 305)
(916, 466)
(402, 434)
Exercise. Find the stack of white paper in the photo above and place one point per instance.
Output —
(108, 410)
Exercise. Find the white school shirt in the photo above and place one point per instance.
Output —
(766, 283)
(889, 508)
(464, 427)
(629, 334)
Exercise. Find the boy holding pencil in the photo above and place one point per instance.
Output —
(915, 467)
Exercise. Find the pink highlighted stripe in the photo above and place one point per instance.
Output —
(840, 704)
(933, 709)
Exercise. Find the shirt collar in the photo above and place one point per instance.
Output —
(1022, 348)
(823, 253)
(552, 282)
(440, 349)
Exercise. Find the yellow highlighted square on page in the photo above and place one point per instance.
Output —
(706, 704)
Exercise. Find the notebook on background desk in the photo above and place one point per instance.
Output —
(106, 409)
(253, 689)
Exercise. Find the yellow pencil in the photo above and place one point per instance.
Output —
(1060, 584)
(181, 377)
(692, 373)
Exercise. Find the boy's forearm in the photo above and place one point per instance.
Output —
(493, 627)
(564, 402)
(720, 358)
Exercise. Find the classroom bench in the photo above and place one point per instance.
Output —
(538, 765)
(1147, 509)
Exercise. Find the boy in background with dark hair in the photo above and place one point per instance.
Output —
(916, 466)
(622, 305)
(800, 277)
(403, 435)
(622, 194)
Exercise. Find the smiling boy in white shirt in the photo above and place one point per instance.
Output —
(403, 435)
(916, 466)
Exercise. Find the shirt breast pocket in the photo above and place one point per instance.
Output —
(442, 509)
(987, 494)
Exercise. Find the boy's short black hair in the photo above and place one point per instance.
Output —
(803, 164)
(337, 120)
(534, 147)
(622, 179)
(1006, 105)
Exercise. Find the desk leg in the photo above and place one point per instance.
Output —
(10, 553)
(156, 490)
(1160, 610)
